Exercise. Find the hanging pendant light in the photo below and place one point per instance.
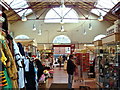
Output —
(61, 22)
(24, 18)
(100, 18)
(62, 29)
(40, 32)
(85, 32)
(34, 27)
(90, 26)
(62, 5)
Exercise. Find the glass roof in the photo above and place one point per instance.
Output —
(106, 5)
(54, 15)
(14, 4)
(61, 39)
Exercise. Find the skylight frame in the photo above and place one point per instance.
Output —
(14, 4)
(53, 17)
(102, 7)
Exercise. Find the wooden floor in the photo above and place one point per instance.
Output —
(60, 76)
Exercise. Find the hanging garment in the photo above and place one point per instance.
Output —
(5, 23)
(8, 79)
(11, 65)
(21, 49)
(3, 58)
(5, 81)
(10, 43)
(26, 64)
(30, 77)
(36, 77)
(40, 68)
(18, 59)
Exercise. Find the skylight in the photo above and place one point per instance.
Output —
(54, 16)
(14, 4)
(105, 6)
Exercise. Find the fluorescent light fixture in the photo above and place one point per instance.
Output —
(90, 26)
(88, 45)
(34, 27)
(24, 18)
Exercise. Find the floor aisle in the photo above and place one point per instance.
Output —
(60, 76)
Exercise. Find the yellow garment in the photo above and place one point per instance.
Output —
(1, 36)
(12, 69)
(3, 58)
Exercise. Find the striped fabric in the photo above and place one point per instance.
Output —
(3, 81)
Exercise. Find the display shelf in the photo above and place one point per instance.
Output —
(109, 72)
(98, 43)
(113, 38)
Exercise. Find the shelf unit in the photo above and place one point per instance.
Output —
(109, 65)
(108, 62)
(98, 58)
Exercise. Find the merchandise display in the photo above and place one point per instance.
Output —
(60, 44)
(107, 65)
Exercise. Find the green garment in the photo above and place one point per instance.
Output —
(9, 86)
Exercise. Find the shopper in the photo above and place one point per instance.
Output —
(70, 70)
(60, 59)
(40, 68)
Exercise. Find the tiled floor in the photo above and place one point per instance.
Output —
(60, 76)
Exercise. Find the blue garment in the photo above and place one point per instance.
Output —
(70, 80)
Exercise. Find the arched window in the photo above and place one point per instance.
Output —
(22, 37)
(55, 15)
(61, 39)
(99, 37)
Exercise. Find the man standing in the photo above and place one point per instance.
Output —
(70, 70)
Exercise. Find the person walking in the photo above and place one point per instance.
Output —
(70, 70)
(60, 59)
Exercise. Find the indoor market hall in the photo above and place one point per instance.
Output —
(60, 44)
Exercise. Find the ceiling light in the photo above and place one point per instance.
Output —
(40, 32)
(62, 5)
(90, 26)
(88, 44)
(100, 18)
(85, 32)
(24, 18)
(34, 27)
(61, 22)
(62, 29)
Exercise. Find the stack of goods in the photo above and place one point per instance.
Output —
(114, 28)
